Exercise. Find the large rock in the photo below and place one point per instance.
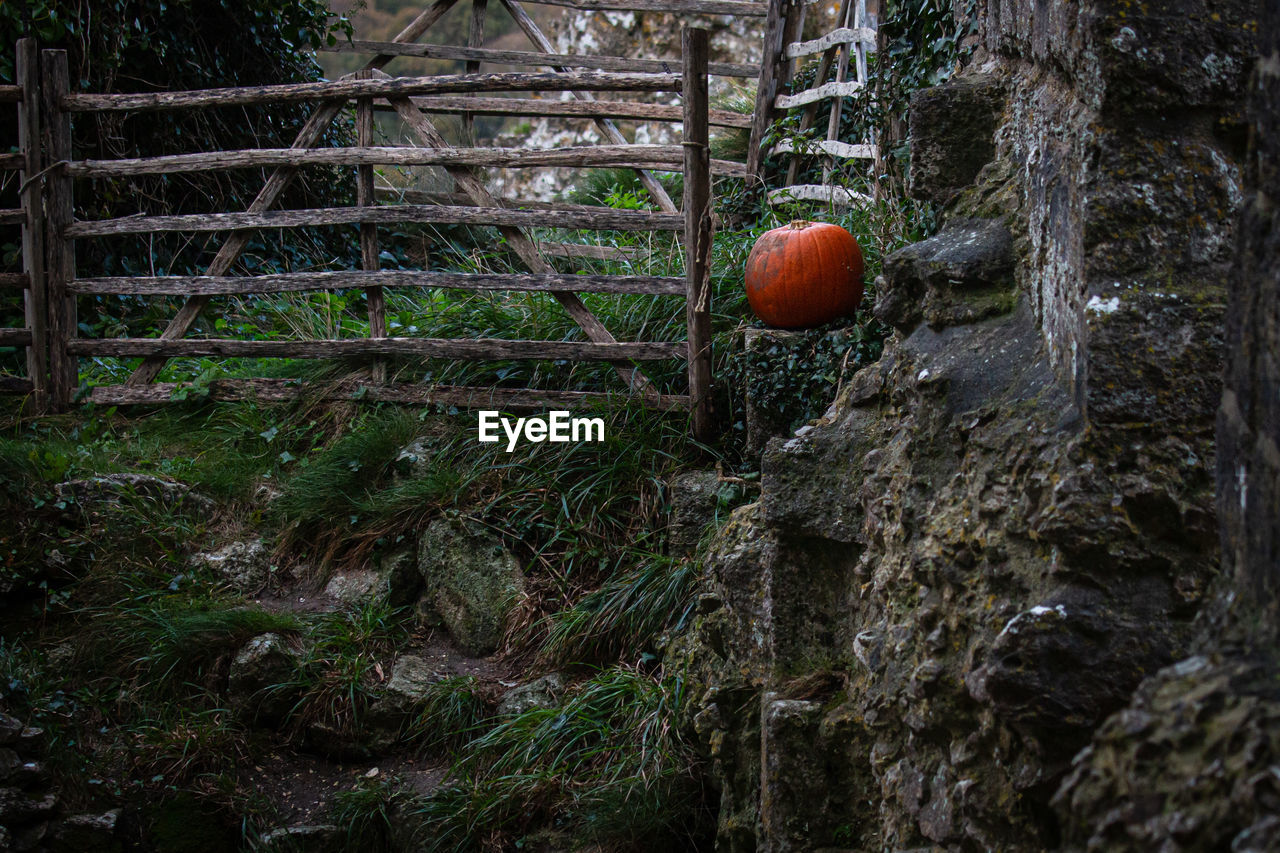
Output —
(412, 679)
(394, 580)
(953, 134)
(19, 807)
(10, 730)
(304, 838)
(1188, 765)
(471, 581)
(962, 275)
(243, 566)
(9, 762)
(261, 683)
(990, 577)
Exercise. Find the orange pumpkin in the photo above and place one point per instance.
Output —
(804, 274)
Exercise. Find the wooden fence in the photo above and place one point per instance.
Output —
(52, 320)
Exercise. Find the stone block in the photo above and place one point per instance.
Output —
(260, 674)
(953, 135)
(695, 495)
(87, 832)
(244, 566)
(472, 581)
(393, 580)
(961, 275)
(544, 692)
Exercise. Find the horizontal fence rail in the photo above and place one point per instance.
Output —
(657, 157)
(608, 219)
(478, 348)
(633, 110)
(533, 58)
(686, 7)
(283, 390)
(390, 87)
(207, 285)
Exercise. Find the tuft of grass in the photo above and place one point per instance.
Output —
(159, 642)
(618, 620)
(341, 492)
(342, 667)
(367, 813)
(451, 714)
(609, 766)
(188, 747)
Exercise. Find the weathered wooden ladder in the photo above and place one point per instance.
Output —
(854, 35)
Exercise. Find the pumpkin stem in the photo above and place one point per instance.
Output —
(799, 224)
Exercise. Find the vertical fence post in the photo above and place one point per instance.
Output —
(771, 64)
(60, 254)
(28, 77)
(697, 228)
(369, 231)
(475, 38)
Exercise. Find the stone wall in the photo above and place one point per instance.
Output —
(928, 630)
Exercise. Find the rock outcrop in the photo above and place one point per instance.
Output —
(957, 580)
(472, 582)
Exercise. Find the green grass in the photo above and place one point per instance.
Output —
(620, 619)
(609, 766)
(367, 815)
(451, 714)
(160, 644)
(340, 671)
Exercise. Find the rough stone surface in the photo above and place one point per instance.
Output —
(314, 838)
(10, 730)
(82, 833)
(1190, 763)
(116, 487)
(18, 807)
(962, 275)
(695, 495)
(1248, 469)
(244, 566)
(953, 134)
(543, 692)
(412, 678)
(260, 672)
(959, 577)
(471, 580)
(394, 579)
